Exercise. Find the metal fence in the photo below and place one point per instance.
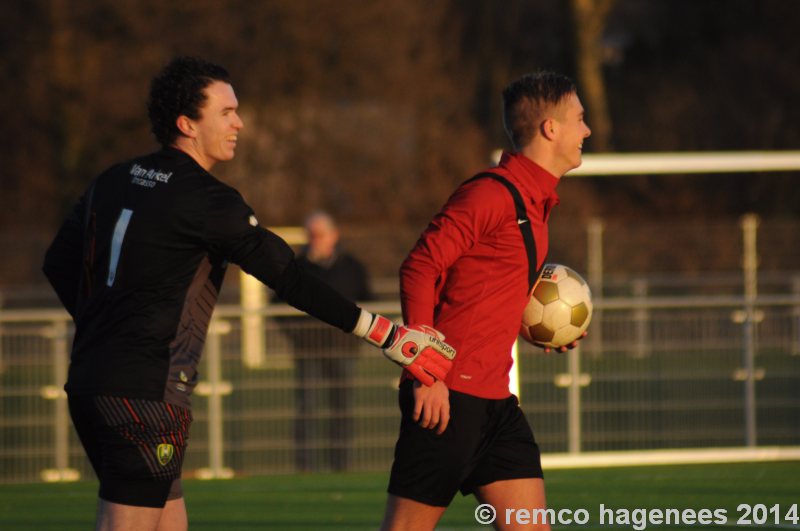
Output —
(656, 372)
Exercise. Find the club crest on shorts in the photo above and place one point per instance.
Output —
(164, 452)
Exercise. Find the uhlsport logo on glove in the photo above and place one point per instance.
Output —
(446, 350)
(435, 340)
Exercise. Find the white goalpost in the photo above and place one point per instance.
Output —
(619, 164)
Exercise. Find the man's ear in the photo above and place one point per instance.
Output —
(185, 126)
(549, 128)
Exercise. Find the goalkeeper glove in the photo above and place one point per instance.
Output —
(418, 349)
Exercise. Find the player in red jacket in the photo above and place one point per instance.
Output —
(468, 277)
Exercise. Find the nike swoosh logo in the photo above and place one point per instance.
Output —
(521, 221)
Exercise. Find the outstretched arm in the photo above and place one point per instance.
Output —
(234, 232)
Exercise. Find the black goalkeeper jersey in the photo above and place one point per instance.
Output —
(139, 264)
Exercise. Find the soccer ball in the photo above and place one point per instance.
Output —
(559, 310)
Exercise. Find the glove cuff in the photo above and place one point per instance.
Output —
(375, 329)
(362, 325)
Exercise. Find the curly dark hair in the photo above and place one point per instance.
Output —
(526, 100)
(179, 89)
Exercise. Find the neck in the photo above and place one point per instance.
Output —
(187, 145)
(544, 157)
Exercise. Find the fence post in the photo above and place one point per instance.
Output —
(594, 241)
(253, 299)
(572, 381)
(641, 319)
(214, 388)
(749, 224)
(59, 334)
(574, 401)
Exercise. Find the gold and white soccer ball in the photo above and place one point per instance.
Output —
(560, 308)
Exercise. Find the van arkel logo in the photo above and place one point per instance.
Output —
(164, 452)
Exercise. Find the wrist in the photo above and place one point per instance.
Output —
(375, 329)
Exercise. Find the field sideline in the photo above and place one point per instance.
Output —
(355, 501)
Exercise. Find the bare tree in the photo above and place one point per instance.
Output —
(589, 22)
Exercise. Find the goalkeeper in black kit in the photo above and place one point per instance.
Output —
(139, 264)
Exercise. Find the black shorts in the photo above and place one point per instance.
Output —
(486, 441)
(136, 447)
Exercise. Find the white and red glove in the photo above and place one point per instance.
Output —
(419, 349)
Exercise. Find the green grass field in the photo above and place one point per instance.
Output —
(355, 501)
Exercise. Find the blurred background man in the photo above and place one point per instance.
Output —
(324, 361)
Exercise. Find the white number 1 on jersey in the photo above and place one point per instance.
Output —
(116, 244)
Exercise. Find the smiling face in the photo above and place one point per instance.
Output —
(212, 138)
(571, 132)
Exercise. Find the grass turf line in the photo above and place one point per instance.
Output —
(355, 501)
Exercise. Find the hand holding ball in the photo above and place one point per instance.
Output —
(559, 310)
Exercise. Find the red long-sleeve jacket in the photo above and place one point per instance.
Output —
(467, 275)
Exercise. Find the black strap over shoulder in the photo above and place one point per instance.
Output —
(523, 221)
